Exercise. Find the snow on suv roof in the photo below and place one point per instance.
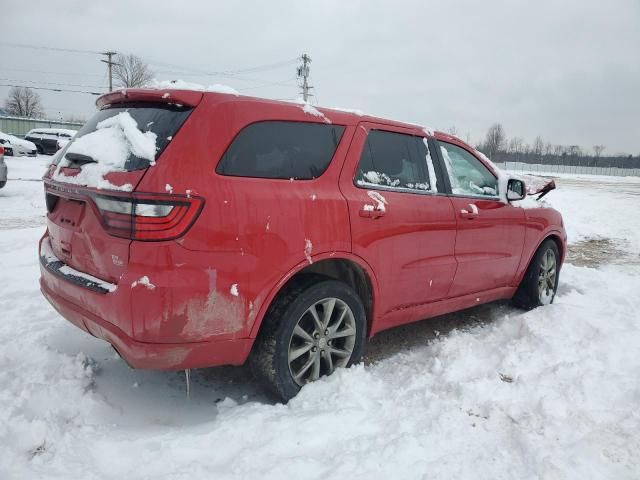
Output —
(182, 92)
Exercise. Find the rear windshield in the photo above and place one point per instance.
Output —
(162, 119)
(280, 149)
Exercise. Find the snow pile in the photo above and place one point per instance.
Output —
(110, 145)
(182, 85)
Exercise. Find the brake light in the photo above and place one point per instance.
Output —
(1, 150)
(148, 217)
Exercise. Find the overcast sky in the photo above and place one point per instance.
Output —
(566, 70)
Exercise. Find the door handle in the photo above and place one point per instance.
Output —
(470, 212)
(371, 213)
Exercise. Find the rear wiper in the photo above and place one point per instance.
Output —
(79, 159)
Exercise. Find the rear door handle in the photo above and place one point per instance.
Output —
(371, 213)
(470, 212)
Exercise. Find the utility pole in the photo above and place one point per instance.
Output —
(303, 72)
(110, 64)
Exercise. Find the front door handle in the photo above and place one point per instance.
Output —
(370, 213)
(470, 212)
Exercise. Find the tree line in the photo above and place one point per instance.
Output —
(497, 146)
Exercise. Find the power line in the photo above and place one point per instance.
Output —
(52, 83)
(41, 47)
(270, 84)
(73, 74)
(51, 89)
(190, 71)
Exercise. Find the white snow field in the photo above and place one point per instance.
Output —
(552, 393)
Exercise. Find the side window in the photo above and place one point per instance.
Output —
(396, 160)
(277, 149)
(467, 174)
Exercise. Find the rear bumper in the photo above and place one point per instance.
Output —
(155, 356)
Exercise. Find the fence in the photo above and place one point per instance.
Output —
(620, 166)
(20, 126)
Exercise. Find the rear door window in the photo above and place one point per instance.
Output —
(396, 160)
(279, 149)
(162, 119)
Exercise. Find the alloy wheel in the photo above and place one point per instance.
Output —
(547, 277)
(322, 340)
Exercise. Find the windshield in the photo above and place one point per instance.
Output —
(162, 119)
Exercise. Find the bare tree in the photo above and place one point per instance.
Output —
(495, 140)
(516, 144)
(24, 102)
(598, 149)
(538, 146)
(559, 150)
(548, 148)
(575, 150)
(453, 130)
(131, 71)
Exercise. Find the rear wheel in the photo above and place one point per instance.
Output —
(3, 183)
(317, 326)
(540, 282)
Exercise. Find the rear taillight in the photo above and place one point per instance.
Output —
(148, 217)
(1, 150)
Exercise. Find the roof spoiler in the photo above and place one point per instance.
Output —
(190, 98)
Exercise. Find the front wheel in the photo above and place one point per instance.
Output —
(314, 328)
(540, 282)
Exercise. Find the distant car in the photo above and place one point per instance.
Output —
(46, 139)
(3, 168)
(15, 146)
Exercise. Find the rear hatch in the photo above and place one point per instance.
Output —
(93, 210)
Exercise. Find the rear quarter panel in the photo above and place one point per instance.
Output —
(250, 233)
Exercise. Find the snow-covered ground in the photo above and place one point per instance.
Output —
(552, 393)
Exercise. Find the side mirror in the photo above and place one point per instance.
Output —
(515, 189)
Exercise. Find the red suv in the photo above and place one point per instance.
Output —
(278, 233)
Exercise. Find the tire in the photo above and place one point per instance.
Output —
(2, 183)
(540, 282)
(292, 350)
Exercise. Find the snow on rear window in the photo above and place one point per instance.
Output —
(121, 138)
(107, 150)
